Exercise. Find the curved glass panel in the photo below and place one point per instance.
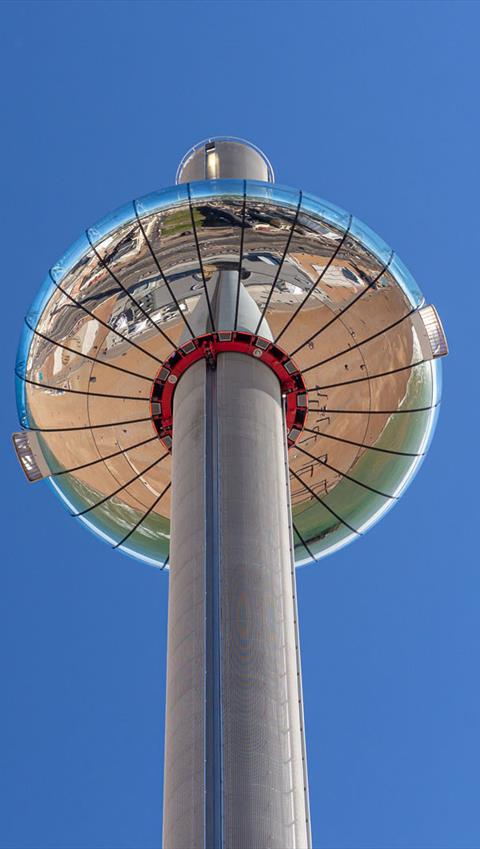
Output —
(407, 281)
(20, 371)
(370, 240)
(162, 199)
(316, 278)
(111, 222)
(273, 193)
(42, 297)
(437, 385)
(72, 256)
(45, 292)
(216, 188)
(324, 209)
(218, 228)
(320, 528)
(143, 547)
(151, 541)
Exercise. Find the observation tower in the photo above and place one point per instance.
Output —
(231, 378)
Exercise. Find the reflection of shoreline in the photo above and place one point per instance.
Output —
(282, 280)
(373, 468)
(79, 495)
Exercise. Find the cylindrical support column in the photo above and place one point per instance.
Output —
(234, 766)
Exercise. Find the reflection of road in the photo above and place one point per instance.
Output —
(95, 288)
(390, 392)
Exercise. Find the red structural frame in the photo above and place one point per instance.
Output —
(208, 347)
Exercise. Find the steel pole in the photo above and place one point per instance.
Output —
(235, 773)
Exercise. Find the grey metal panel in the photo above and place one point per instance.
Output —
(183, 824)
(224, 159)
(264, 799)
(233, 766)
(232, 671)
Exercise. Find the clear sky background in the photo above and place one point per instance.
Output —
(375, 107)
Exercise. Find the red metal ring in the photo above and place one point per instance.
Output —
(208, 347)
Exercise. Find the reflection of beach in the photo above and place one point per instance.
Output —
(354, 504)
(79, 447)
(384, 354)
(131, 262)
(384, 396)
(115, 519)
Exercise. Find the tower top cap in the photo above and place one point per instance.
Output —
(224, 157)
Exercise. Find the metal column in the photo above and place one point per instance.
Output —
(234, 769)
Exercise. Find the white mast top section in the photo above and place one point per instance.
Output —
(224, 158)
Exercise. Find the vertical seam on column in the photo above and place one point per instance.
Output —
(205, 624)
(213, 755)
(297, 636)
(216, 489)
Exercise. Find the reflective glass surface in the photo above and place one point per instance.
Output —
(120, 301)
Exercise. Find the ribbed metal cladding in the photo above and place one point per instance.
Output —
(184, 785)
(236, 655)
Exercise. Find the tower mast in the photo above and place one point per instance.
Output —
(189, 358)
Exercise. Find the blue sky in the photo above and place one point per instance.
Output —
(375, 107)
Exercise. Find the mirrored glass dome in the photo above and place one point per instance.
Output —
(344, 314)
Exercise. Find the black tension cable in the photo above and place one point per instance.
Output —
(302, 541)
(376, 412)
(145, 516)
(359, 444)
(127, 293)
(240, 265)
(104, 323)
(280, 266)
(102, 459)
(202, 271)
(62, 389)
(323, 503)
(87, 356)
(317, 281)
(362, 342)
(367, 377)
(121, 488)
(85, 427)
(345, 475)
(163, 276)
(345, 309)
